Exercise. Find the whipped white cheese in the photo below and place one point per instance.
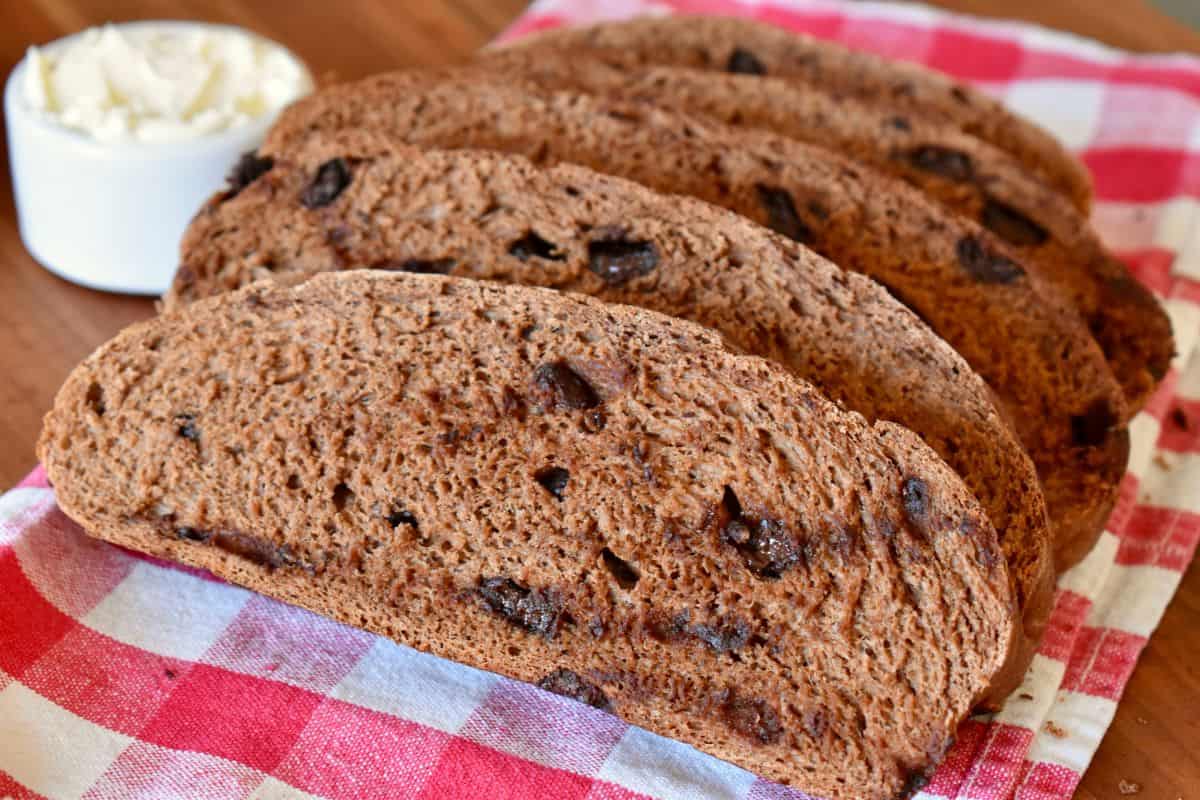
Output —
(166, 82)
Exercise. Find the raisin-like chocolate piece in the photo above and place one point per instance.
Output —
(187, 427)
(753, 718)
(569, 684)
(553, 480)
(669, 629)
(418, 266)
(401, 516)
(767, 548)
(331, 179)
(563, 387)
(900, 123)
(621, 570)
(1091, 428)
(249, 168)
(946, 162)
(531, 245)
(534, 610)
(743, 62)
(723, 636)
(252, 548)
(1011, 225)
(766, 545)
(984, 264)
(616, 261)
(914, 494)
(193, 534)
(781, 214)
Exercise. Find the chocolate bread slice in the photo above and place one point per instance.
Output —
(1026, 341)
(558, 490)
(758, 48)
(497, 217)
(965, 173)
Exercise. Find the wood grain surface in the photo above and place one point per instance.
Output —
(1152, 750)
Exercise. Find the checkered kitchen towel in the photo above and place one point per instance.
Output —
(124, 677)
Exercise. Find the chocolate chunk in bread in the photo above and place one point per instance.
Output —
(331, 178)
(374, 366)
(249, 168)
(617, 260)
(781, 216)
(986, 264)
(568, 684)
(744, 62)
(534, 610)
(1029, 344)
(764, 294)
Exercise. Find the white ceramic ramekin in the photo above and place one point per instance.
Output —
(109, 215)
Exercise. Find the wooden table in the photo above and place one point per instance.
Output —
(47, 325)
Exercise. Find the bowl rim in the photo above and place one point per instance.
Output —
(16, 107)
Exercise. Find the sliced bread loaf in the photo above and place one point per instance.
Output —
(967, 174)
(1026, 341)
(748, 46)
(498, 217)
(593, 496)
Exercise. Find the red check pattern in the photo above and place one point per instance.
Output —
(121, 676)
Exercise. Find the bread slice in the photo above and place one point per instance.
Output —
(1035, 352)
(559, 490)
(497, 217)
(965, 173)
(748, 46)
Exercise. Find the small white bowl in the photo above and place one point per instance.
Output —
(109, 215)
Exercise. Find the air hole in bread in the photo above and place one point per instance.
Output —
(624, 573)
(531, 245)
(401, 516)
(95, 399)
(553, 480)
(187, 427)
(343, 495)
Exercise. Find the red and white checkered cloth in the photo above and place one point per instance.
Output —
(122, 677)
